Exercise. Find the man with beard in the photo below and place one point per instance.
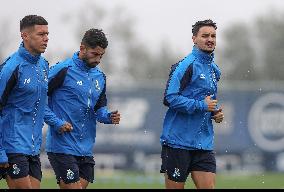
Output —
(77, 99)
(187, 137)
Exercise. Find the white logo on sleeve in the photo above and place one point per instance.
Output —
(27, 81)
(79, 82)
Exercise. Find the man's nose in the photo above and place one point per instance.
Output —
(211, 39)
(98, 60)
(46, 38)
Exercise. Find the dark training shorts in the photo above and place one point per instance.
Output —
(70, 168)
(178, 163)
(24, 165)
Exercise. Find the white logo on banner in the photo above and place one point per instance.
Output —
(266, 122)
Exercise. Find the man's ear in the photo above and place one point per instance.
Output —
(193, 39)
(24, 35)
(82, 48)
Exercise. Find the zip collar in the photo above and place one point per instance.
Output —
(81, 64)
(27, 55)
(202, 56)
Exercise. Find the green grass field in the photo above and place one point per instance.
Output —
(131, 180)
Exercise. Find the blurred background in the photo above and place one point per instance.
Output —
(145, 39)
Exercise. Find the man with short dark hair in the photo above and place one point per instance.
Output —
(77, 99)
(23, 95)
(188, 136)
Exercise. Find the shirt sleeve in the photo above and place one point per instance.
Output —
(8, 79)
(51, 119)
(173, 94)
(3, 155)
(103, 115)
(56, 78)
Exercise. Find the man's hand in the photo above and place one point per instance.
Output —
(115, 117)
(4, 165)
(218, 116)
(67, 127)
(211, 104)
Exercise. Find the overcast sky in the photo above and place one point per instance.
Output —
(156, 20)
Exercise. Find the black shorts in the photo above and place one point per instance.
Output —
(23, 165)
(70, 168)
(178, 163)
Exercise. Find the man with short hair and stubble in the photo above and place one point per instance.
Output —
(23, 96)
(77, 100)
(191, 97)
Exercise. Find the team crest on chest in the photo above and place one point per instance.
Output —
(214, 76)
(45, 76)
(97, 85)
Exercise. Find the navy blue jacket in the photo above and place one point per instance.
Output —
(23, 97)
(187, 123)
(77, 94)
